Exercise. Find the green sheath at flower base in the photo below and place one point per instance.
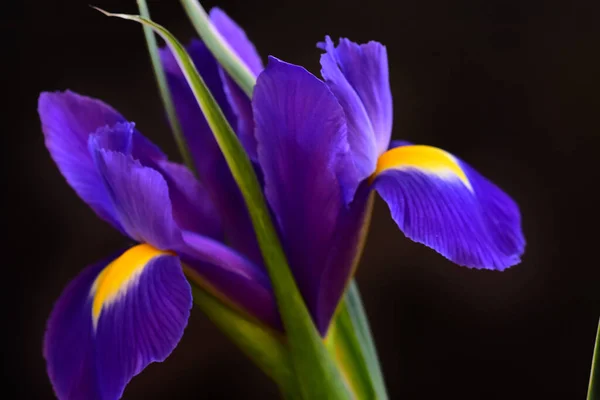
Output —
(317, 373)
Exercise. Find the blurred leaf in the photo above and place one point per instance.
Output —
(318, 374)
(594, 385)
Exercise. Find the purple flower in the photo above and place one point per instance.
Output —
(320, 148)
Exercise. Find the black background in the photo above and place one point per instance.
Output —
(509, 86)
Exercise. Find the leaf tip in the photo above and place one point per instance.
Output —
(102, 11)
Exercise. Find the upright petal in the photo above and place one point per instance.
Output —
(113, 320)
(235, 36)
(67, 121)
(208, 159)
(304, 155)
(443, 203)
(192, 208)
(358, 76)
(70, 121)
(140, 197)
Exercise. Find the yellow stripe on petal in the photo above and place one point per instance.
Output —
(116, 278)
(425, 158)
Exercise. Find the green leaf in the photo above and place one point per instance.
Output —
(163, 88)
(594, 386)
(318, 374)
(219, 47)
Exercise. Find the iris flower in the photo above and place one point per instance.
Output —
(321, 148)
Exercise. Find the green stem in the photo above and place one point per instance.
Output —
(163, 88)
(594, 385)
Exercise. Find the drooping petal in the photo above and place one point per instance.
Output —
(358, 76)
(235, 36)
(440, 201)
(209, 162)
(114, 319)
(230, 276)
(140, 196)
(304, 155)
(67, 121)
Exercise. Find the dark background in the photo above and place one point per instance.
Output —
(509, 86)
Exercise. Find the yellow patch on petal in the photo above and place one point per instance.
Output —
(119, 275)
(425, 158)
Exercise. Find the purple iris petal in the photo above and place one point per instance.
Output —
(145, 206)
(345, 249)
(192, 207)
(360, 132)
(235, 36)
(212, 168)
(122, 137)
(91, 357)
(67, 121)
(141, 199)
(231, 276)
(304, 154)
(477, 226)
(359, 77)
(242, 107)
